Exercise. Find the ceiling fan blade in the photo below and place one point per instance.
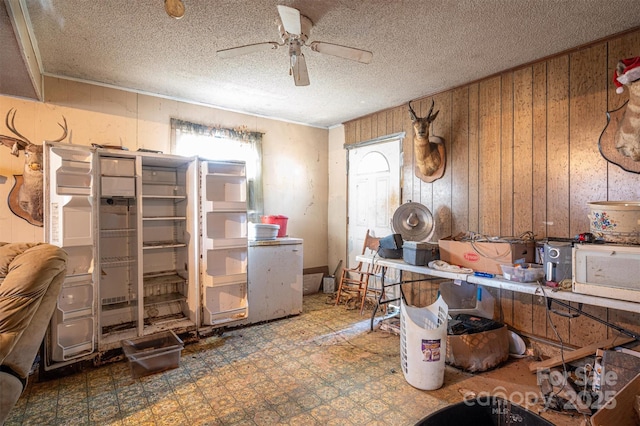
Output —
(345, 52)
(244, 50)
(300, 72)
(290, 18)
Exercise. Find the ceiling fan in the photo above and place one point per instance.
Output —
(294, 32)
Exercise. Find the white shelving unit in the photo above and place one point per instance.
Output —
(223, 267)
(168, 273)
(117, 218)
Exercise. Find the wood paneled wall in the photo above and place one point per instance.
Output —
(522, 155)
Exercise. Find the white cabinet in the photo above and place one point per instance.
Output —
(275, 279)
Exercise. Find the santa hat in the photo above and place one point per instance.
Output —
(630, 73)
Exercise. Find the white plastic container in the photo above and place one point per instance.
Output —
(423, 344)
(467, 298)
(263, 231)
(525, 273)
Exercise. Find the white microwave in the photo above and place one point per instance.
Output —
(611, 271)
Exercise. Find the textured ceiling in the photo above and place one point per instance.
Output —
(420, 47)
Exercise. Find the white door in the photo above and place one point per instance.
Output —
(374, 192)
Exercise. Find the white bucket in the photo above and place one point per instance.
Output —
(615, 221)
(423, 344)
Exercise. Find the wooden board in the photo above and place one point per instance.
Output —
(579, 353)
(474, 154)
(522, 151)
(460, 161)
(539, 178)
(489, 157)
(522, 312)
(587, 100)
(506, 156)
(442, 187)
(557, 191)
(584, 330)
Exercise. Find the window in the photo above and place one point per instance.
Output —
(212, 143)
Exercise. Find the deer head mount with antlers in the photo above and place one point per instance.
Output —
(627, 136)
(429, 152)
(26, 197)
(619, 142)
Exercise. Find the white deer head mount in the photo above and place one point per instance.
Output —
(26, 197)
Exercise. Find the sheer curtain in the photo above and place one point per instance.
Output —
(215, 143)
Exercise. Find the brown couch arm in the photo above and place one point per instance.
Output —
(33, 276)
(29, 270)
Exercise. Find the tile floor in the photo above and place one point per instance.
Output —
(323, 367)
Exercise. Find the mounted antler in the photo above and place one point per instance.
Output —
(21, 142)
(428, 119)
(26, 197)
(430, 156)
(16, 144)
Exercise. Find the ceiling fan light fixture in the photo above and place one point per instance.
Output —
(294, 31)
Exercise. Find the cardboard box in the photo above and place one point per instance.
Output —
(486, 256)
(478, 351)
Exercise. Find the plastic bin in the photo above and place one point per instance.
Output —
(423, 344)
(153, 353)
(419, 254)
(277, 220)
(467, 298)
(524, 273)
(484, 411)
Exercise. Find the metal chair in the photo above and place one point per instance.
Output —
(355, 281)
